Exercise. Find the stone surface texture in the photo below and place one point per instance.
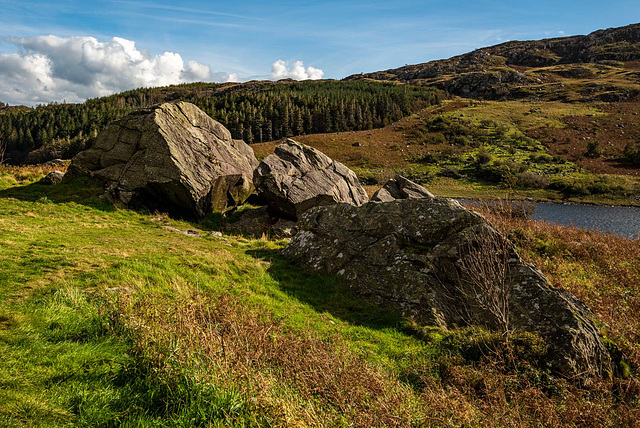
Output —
(407, 254)
(400, 188)
(54, 177)
(297, 177)
(171, 158)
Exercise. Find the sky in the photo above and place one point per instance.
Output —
(63, 50)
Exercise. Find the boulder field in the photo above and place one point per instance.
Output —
(429, 258)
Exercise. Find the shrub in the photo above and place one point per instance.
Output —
(541, 159)
(593, 150)
(502, 172)
(631, 153)
(531, 180)
(429, 158)
(450, 171)
(483, 157)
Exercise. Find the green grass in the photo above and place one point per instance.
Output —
(107, 318)
(66, 259)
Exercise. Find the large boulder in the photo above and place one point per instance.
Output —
(400, 188)
(171, 158)
(297, 177)
(441, 264)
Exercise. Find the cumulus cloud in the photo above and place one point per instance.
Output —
(51, 68)
(281, 70)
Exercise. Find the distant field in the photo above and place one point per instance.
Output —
(528, 149)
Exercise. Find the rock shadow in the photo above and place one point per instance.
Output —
(78, 190)
(325, 293)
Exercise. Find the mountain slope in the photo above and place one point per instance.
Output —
(598, 66)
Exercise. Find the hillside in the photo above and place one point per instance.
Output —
(488, 149)
(253, 111)
(602, 66)
(112, 317)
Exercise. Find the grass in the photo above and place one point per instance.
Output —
(532, 149)
(108, 318)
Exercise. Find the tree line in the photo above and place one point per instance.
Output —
(254, 112)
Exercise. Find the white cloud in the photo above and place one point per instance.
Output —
(280, 70)
(51, 68)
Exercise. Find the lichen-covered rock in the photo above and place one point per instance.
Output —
(54, 177)
(400, 188)
(297, 177)
(258, 222)
(171, 158)
(441, 264)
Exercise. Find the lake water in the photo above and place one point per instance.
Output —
(623, 221)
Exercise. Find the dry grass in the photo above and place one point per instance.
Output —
(601, 269)
(291, 378)
(296, 378)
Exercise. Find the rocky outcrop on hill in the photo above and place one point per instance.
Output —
(493, 71)
(297, 177)
(441, 264)
(171, 158)
(400, 188)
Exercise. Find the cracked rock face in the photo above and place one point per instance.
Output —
(423, 257)
(297, 177)
(400, 188)
(171, 158)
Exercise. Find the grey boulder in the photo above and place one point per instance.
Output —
(400, 188)
(54, 177)
(440, 264)
(297, 177)
(172, 158)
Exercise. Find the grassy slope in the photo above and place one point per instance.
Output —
(545, 138)
(108, 318)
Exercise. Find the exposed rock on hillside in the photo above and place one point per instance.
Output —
(400, 188)
(171, 158)
(258, 222)
(497, 71)
(297, 177)
(441, 264)
(54, 177)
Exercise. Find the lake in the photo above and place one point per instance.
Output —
(623, 221)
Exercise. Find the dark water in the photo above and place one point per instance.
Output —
(623, 221)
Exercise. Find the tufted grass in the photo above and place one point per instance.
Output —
(107, 318)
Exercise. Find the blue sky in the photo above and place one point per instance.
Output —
(243, 39)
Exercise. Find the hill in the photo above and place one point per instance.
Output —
(253, 111)
(601, 66)
(111, 317)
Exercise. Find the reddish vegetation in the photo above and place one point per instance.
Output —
(619, 126)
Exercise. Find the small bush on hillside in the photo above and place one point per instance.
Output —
(450, 171)
(500, 172)
(631, 153)
(436, 139)
(531, 180)
(483, 158)
(541, 158)
(429, 158)
(594, 150)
